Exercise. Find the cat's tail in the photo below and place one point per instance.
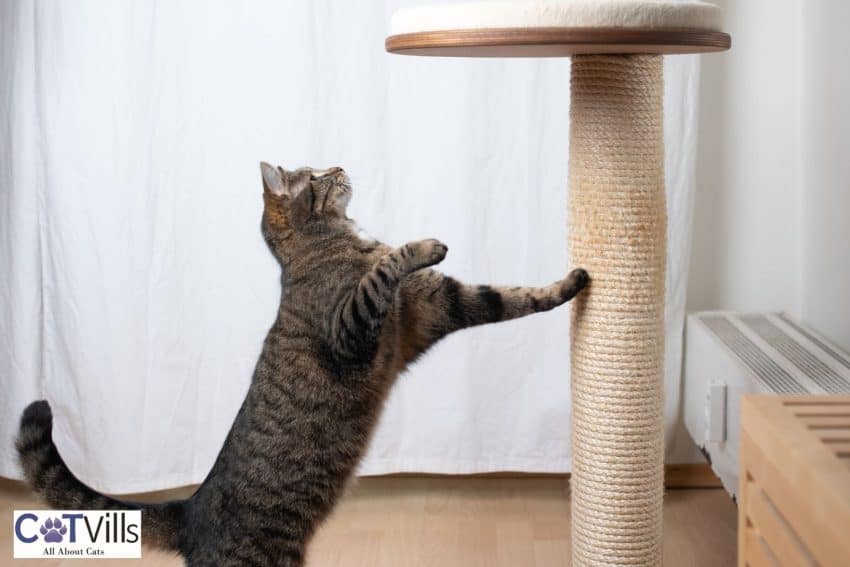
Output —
(50, 478)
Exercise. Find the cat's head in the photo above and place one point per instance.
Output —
(301, 204)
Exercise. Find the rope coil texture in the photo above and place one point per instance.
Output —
(617, 232)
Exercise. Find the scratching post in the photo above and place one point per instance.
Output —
(617, 232)
(617, 227)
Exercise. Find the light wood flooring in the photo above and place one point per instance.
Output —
(462, 522)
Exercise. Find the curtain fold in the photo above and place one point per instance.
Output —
(137, 289)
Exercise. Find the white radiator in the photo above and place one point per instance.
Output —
(728, 355)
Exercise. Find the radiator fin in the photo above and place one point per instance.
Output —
(821, 374)
(768, 371)
(837, 356)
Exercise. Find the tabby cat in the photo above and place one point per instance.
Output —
(354, 313)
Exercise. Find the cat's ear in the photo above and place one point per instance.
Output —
(272, 179)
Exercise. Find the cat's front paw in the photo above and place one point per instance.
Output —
(428, 253)
(576, 281)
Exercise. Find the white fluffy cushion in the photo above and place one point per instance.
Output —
(646, 14)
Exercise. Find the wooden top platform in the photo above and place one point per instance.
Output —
(555, 42)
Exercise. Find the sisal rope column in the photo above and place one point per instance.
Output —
(617, 232)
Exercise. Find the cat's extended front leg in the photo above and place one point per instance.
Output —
(467, 306)
(452, 306)
(358, 323)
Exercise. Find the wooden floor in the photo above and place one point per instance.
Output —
(463, 522)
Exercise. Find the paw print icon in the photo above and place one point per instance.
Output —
(53, 530)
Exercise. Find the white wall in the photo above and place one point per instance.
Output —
(747, 248)
(825, 173)
(771, 228)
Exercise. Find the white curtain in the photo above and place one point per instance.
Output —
(136, 289)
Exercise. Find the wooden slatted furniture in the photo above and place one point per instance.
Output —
(794, 494)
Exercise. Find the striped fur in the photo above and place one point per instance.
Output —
(354, 313)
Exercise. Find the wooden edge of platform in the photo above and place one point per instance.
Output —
(556, 42)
